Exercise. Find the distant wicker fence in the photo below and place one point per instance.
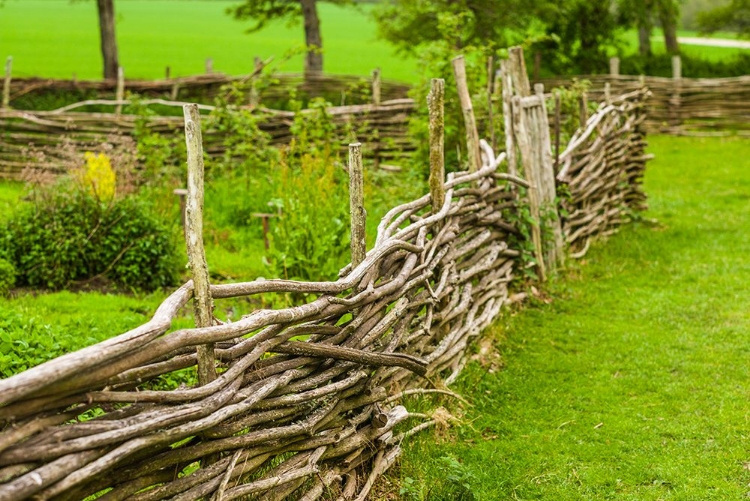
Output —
(682, 106)
(307, 399)
(42, 139)
(206, 86)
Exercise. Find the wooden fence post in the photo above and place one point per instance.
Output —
(510, 140)
(490, 93)
(209, 65)
(584, 109)
(472, 136)
(676, 101)
(607, 93)
(358, 216)
(614, 67)
(6, 82)
(202, 303)
(167, 73)
(435, 103)
(548, 187)
(558, 119)
(376, 86)
(120, 92)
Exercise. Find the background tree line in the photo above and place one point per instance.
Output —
(574, 36)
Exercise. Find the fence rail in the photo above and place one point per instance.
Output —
(307, 398)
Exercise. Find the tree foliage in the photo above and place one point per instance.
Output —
(734, 16)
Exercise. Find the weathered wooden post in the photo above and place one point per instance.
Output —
(490, 92)
(584, 109)
(120, 91)
(202, 303)
(209, 65)
(175, 92)
(167, 73)
(676, 101)
(376, 86)
(554, 250)
(472, 136)
(435, 103)
(510, 140)
(614, 67)
(558, 119)
(6, 82)
(357, 204)
(607, 93)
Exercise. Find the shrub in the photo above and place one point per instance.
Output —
(70, 236)
(7, 276)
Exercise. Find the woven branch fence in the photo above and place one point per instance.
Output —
(680, 106)
(42, 140)
(308, 400)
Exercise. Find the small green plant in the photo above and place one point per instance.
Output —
(7, 276)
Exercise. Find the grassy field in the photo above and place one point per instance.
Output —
(58, 38)
(632, 383)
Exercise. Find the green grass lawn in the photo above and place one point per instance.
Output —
(59, 38)
(632, 384)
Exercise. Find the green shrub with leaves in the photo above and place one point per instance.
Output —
(69, 236)
(7, 276)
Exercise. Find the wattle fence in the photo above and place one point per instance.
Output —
(309, 399)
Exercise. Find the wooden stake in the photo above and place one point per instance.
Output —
(548, 188)
(120, 92)
(510, 140)
(614, 67)
(607, 93)
(558, 119)
(357, 204)
(6, 82)
(584, 109)
(472, 136)
(676, 67)
(435, 103)
(490, 92)
(209, 65)
(202, 303)
(376, 86)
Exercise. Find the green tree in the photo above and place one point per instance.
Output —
(645, 14)
(263, 11)
(413, 24)
(735, 16)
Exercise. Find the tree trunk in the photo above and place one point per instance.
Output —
(109, 42)
(668, 12)
(644, 40)
(314, 58)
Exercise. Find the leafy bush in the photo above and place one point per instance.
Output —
(68, 235)
(7, 276)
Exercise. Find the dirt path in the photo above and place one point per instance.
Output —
(715, 42)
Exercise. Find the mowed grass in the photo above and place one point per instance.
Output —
(632, 384)
(59, 38)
